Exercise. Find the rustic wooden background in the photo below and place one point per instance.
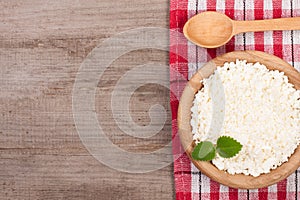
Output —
(42, 44)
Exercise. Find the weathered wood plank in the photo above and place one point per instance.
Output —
(42, 44)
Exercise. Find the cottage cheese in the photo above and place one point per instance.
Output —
(257, 107)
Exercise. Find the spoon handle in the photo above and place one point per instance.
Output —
(292, 23)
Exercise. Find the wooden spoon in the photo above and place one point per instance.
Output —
(212, 29)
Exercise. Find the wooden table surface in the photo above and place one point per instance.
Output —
(42, 45)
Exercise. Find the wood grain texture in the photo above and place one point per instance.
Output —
(184, 116)
(42, 44)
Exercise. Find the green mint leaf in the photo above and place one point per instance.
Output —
(204, 151)
(228, 147)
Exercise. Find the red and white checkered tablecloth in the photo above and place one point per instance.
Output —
(189, 182)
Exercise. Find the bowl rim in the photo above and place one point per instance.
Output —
(240, 181)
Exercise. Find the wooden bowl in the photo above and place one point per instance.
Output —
(185, 131)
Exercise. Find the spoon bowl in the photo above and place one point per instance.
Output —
(212, 29)
(209, 29)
